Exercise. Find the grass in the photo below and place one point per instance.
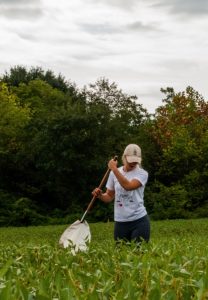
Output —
(174, 265)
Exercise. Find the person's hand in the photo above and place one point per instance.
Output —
(112, 164)
(97, 192)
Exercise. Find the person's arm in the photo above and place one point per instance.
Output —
(124, 182)
(106, 197)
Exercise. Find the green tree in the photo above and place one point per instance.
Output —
(32, 172)
(20, 74)
(13, 119)
(123, 112)
(180, 131)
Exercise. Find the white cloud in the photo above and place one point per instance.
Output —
(142, 47)
(20, 9)
(191, 8)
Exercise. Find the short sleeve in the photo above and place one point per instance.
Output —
(142, 176)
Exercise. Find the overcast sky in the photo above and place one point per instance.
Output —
(140, 45)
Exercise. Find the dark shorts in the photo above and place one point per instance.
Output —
(137, 230)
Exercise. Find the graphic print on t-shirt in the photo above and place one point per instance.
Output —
(125, 199)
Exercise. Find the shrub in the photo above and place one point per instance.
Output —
(167, 202)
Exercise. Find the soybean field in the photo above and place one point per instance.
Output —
(173, 265)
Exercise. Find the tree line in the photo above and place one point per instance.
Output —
(56, 139)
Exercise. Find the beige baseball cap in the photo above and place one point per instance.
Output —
(133, 153)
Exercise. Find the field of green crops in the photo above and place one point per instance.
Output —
(174, 265)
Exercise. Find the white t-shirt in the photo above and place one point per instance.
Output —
(128, 205)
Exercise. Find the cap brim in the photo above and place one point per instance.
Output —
(132, 159)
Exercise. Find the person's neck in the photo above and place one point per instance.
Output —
(126, 169)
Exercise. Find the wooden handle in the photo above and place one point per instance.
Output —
(100, 187)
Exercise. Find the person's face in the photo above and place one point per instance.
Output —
(130, 166)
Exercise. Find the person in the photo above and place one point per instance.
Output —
(125, 185)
